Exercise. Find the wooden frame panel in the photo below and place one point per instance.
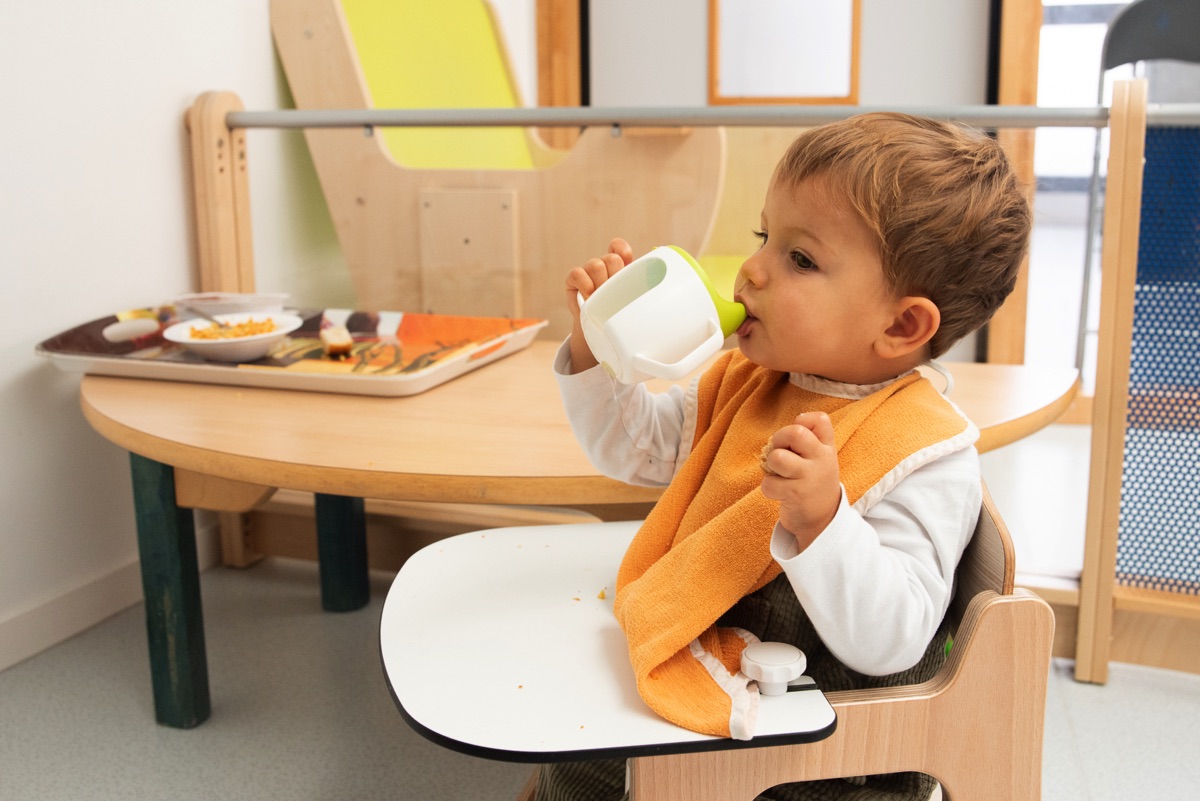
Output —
(651, 188)
(559, 64)
(717, 97)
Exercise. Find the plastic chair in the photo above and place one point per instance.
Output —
(1145, 30)
(1142, 551)
(976, 726)
(475, 235)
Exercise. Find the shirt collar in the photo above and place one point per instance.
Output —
(839, 389)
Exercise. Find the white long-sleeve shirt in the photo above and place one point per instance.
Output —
(875, 584)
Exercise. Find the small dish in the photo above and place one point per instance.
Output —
(233, 349)
(211, 303)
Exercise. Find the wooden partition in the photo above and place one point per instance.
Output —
(509, 233)
(1118, 622)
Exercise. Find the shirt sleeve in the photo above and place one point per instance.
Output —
(877, 585)
(628, 432)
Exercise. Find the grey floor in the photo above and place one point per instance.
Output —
(301, 711)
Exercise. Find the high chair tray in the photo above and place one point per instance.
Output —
(503, 644)
(394, 353)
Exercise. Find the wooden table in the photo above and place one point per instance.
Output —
(498, 435)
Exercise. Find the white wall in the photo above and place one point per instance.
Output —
(518, 23)
(915, 52)
(95, 218)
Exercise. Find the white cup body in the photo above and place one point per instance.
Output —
(652, 319)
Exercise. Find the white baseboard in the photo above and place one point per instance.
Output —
(30, 632)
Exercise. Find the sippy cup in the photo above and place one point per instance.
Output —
(659, 317)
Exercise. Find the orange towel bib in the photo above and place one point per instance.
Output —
(706, 544)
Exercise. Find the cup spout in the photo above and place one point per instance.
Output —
(731, 313)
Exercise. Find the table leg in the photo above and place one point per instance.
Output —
(342, 552)
(171, 583)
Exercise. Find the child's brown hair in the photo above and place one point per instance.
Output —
(951, 215)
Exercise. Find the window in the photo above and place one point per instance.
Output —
(1068, 76)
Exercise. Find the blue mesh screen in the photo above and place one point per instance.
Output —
(1158, 544)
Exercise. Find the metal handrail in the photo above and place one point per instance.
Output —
(1173, 114)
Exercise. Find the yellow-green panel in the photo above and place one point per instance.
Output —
(437, 54)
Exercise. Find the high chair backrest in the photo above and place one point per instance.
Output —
(444, 54)
(988, 563)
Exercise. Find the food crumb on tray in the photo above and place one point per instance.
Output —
(336, 341)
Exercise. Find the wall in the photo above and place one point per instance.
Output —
(916, 52)
(95, 218)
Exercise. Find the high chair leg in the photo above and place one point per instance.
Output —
(529, 791)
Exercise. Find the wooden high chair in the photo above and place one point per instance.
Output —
(976, 726)
(473, 221)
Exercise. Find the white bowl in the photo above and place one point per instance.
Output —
(213, 303)
(233, 349)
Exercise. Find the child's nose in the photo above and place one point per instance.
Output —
(752, 271)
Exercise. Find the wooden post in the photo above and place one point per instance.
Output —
(559, 64)
(1122, 220)
(220, 195)
(224, 249)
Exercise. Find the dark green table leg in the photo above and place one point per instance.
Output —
(342, 552)
(171, 582)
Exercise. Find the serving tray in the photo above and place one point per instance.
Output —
(394, 353)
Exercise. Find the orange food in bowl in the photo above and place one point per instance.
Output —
(248, 328)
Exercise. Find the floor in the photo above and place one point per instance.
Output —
(301, 711)
(1040, 487)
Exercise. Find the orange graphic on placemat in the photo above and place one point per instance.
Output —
(421, 341)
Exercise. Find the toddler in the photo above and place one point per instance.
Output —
(883, 240)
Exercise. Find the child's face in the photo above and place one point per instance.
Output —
(814, 291)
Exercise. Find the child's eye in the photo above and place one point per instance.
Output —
(801, 262)
(761, 236)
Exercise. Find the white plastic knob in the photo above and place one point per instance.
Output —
(773, 665)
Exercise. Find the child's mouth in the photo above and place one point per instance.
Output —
(747, 324)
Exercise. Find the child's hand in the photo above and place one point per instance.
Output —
(587, 279)
(582, 282)
(803, 476)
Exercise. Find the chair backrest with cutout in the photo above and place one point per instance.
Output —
(1148, 30)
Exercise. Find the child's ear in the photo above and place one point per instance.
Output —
(917, 320)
